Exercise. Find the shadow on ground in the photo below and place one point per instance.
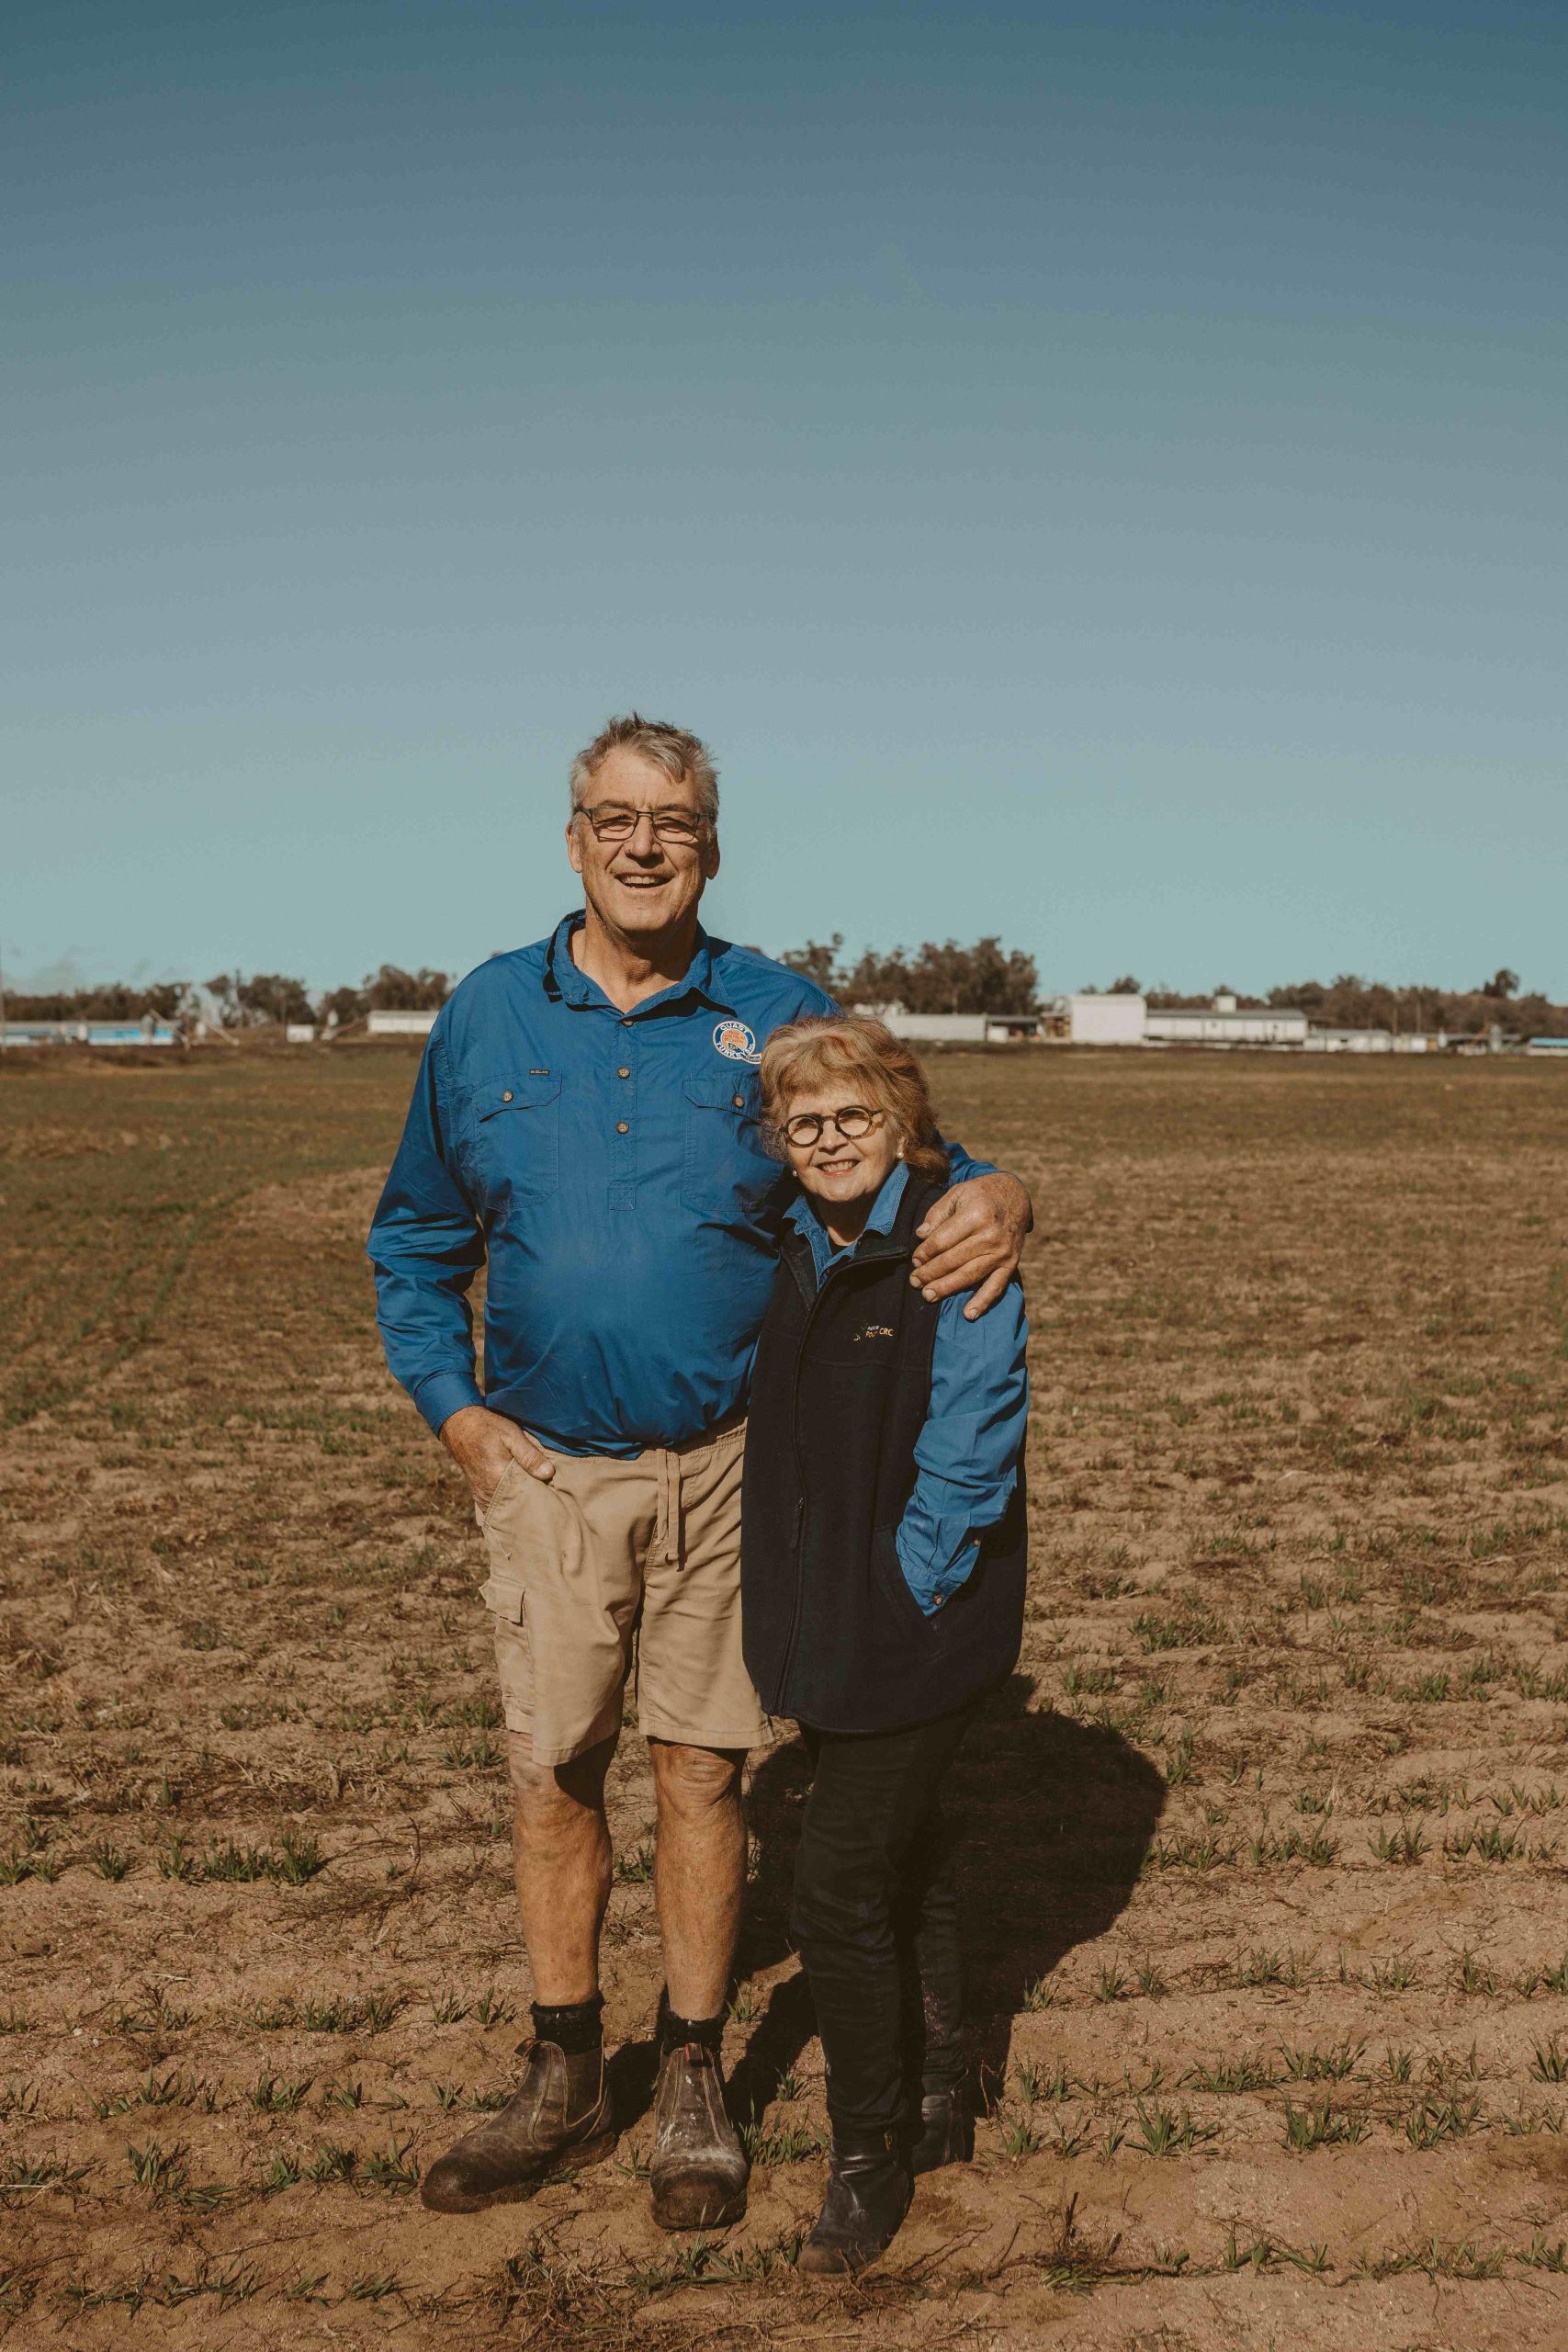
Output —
(1052, 1821)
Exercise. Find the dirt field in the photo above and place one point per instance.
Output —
(1267, 1860)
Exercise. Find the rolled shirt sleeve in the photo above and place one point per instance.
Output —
(967, 1455)
(426, 1247)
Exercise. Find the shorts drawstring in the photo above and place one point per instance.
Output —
(667, 1520)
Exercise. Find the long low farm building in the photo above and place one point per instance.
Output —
(1121, 1018)
(1225, 1023)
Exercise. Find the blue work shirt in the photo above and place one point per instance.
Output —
(610, 1168)
(967, 1455)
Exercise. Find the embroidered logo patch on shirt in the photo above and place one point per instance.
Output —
(874, 1331)
(736, 1042)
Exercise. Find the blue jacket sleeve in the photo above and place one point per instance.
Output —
(426, 1247)
(961, 1164)
(967, 1455)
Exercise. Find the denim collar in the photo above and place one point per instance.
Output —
(803, 1215)
(566, 985)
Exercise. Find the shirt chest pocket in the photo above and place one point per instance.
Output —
(514, 1137)
(728, 1172)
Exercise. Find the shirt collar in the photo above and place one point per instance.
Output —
(883, 1210)
(566, 985)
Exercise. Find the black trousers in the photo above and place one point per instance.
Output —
(875, 1918)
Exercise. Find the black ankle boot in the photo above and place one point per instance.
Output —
(869, 2187)
(946, 2135)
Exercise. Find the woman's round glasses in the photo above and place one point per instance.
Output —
(852, 1122)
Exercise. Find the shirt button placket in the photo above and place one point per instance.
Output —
(623, 1189)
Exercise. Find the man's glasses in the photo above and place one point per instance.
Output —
(612, 821)
(852, 1122)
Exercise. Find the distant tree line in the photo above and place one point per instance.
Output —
(240, 1001)
(934, 978)
(1351, 1003)
(947, 978)
(116, 1000)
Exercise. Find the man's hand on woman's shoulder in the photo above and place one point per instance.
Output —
(972, 1239)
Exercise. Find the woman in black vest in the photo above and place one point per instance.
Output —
(883, 1559)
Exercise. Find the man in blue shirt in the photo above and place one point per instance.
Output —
(585, 1127)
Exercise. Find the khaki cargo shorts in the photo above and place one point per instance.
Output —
(617, 1572)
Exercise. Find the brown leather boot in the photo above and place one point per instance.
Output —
(700, 2168)
(558, 2120)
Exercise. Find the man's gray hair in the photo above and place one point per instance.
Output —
(681, 754)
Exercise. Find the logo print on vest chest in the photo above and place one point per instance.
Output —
(873, 1331)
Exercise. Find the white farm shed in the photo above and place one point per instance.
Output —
(399, 1024)
(1352, 1041)
(1089, 1018)
(1224, 1022)
(937, 1028)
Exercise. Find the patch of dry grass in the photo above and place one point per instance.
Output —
(1270, 1956)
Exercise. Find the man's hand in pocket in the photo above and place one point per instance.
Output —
(481, 1444)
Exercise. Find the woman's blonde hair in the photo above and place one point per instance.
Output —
(849, 1045)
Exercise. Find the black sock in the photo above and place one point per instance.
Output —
(576, 2027)
(674, 2031)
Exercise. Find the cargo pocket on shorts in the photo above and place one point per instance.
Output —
(504, 1596)
(511, 1532)
(507, 1605)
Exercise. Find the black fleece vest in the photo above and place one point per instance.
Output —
(839, 1394)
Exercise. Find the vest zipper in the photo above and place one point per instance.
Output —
(846, 1266)
(787, 1663)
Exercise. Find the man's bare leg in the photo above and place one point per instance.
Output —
(561, 1864)
(699, 2168)
(700, 1872)
(561, 2116)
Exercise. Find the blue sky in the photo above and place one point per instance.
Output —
(1094, 474)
